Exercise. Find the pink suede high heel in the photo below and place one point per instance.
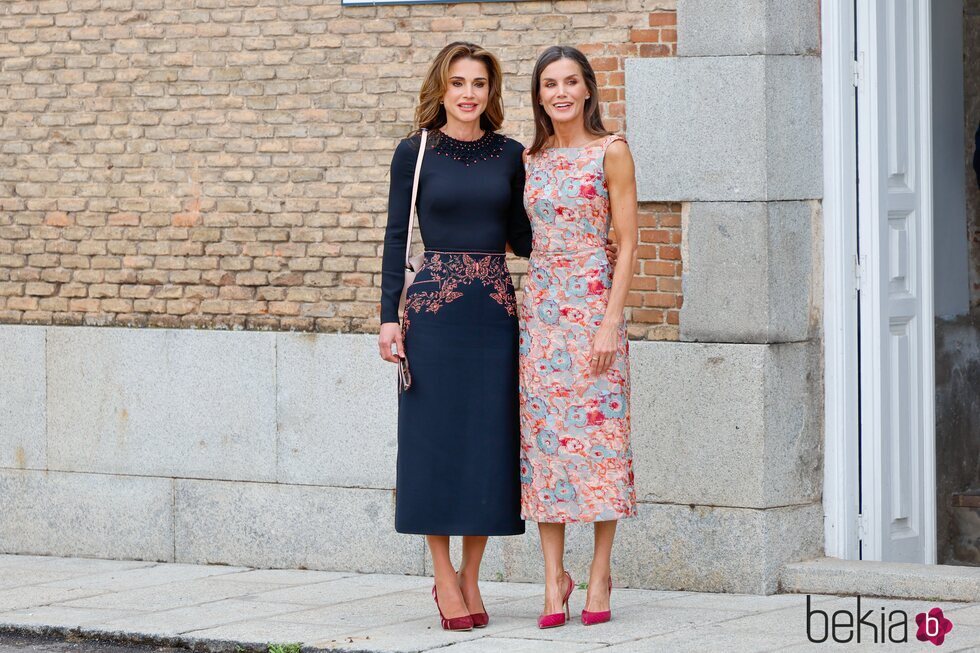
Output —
(558, 618)
(455, 623)
(602, 616)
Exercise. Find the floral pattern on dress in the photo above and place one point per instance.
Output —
(450, 273)
(576, 459)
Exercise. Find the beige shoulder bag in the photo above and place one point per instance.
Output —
(412, 263)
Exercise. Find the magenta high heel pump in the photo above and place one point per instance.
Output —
(558, 618)
(602, 616)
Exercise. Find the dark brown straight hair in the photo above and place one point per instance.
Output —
(543, 129)
(430, 113)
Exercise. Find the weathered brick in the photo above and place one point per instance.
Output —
(242, 183)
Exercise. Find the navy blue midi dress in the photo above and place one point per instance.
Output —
(458, 470)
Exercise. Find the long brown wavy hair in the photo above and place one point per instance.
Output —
(431, 115)
(543, 129)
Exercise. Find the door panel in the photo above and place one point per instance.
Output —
(897, 430)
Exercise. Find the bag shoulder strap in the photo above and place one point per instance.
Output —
(415, 192)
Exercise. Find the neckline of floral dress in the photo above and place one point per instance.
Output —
(489, 146)
(587, 146)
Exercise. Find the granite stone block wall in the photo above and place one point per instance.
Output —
(278, 450)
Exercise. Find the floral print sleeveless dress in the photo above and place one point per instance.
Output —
(576, 460)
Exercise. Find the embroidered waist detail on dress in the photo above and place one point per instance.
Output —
(488, 268)
(446, 276)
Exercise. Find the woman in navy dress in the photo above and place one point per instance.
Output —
(458, 420)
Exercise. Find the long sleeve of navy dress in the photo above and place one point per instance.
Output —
(455, 211)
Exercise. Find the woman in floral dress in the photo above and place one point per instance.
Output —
(576, 460)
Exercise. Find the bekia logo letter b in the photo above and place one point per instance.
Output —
(933, 626)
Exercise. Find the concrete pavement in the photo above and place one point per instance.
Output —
(214, 607)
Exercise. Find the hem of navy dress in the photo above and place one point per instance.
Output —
(455, 532)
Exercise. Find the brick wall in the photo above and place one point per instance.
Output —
(223, 163)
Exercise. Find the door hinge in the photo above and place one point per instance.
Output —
(858, 270)
(857, 70)
(862, 526)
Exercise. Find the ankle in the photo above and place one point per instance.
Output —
(555, 575)
(445, 580)
(599, 572)
(469, 575)
(555, 569)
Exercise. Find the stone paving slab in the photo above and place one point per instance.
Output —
(127, 579)
(170, 623)
(26, 596)
(220, 608)
(171, 595)
(60, 616)
(285, 576)
(80, 565)
(11, 577)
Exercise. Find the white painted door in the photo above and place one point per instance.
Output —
(897, 439)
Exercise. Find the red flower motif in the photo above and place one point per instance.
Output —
(597, 287)
(558, 390)
(615, 376)
(587, 191)
(572, 314)
(932, 626)
(572, 444)
(595, 417)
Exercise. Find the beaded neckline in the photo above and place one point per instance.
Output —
(488, 146)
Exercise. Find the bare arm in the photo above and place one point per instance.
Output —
(621, 181)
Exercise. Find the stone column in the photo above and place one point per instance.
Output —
(729, 451)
